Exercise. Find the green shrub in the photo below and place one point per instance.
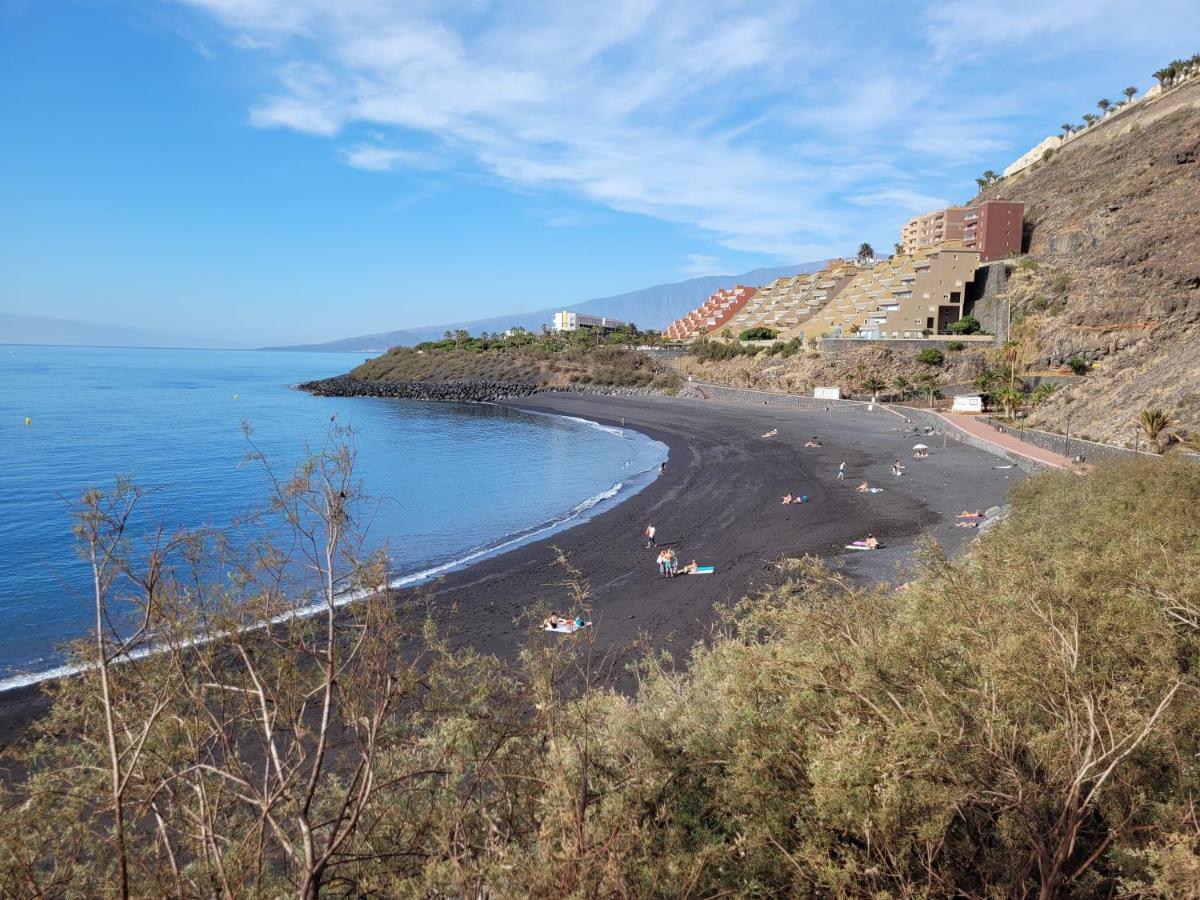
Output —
(1078, 365)
(1060, 283)
(1047, 154)
(759, 333)
(1028, 265)
(965, 325)
(931, 356)
(955, 345)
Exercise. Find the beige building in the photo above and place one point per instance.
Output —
(787, 302)
(933, 228)
(906, 296)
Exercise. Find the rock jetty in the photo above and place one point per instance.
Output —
(469, 391)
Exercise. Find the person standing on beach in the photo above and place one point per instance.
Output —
(842, 471)
(650, 542)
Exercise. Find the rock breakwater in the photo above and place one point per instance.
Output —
(468, 391)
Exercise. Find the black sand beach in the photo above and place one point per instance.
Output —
(719, 503)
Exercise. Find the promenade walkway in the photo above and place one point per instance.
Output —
(984, 432)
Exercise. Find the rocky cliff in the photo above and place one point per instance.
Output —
(1113, 267)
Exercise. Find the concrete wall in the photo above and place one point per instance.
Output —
(1092, 451)
(985, 300)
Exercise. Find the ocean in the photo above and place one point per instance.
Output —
(452, 483)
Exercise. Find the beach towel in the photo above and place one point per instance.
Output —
(969, 516)
(566, 627)
(705, 570)
(857, 547)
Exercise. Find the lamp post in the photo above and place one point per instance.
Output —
(1135, 442)
(1067, 448)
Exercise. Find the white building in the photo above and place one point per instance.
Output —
(570, 321)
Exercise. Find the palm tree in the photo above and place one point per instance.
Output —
(929, 384)
(982, 182)
(874, 386)
(899, 249)
(901, 384)
(1164, 76)
(1104, 104)
(1088, 119)
(1190, 442)
(1010, 399)
(991, 176)
(1154, 422)
(865, 252)
(1129, 93)
(1067, 128)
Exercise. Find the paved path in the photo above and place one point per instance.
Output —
(985, 432)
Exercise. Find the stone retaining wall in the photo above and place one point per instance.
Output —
(1092, 451)
(835, 346)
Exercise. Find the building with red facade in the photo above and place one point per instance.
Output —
(992, 227)
(718, 309)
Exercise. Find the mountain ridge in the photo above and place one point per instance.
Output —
(654, 307)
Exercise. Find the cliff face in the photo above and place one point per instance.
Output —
(1113, 229)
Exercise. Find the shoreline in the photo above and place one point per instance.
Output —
(718, 502)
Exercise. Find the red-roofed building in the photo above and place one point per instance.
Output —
(718, 309)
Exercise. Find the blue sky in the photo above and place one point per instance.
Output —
(256, 171)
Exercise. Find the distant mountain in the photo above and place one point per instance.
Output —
(22, 329)
(653, 307)
(367, 343)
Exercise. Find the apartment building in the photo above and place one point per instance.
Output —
(933, 228)
(721, 306)
(992, 227)
(906, 296)
(787, 302)
(570, 321)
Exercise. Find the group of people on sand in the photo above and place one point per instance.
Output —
(794, 498)
(554, 622)
(668, 565)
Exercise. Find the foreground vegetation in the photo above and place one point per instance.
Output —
(1021, 721)
(545, 360)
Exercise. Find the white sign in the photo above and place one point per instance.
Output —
(973, 404)
(827, 393)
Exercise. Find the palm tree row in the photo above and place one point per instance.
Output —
(987, 179)
(1178, 71)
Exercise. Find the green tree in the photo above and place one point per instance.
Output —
(1010, 399)
(1067, 128)
(901, 385)
(759, 333)
(1104, 104)
(929, 384)
(931, 356)
(865, 252)
(965, 325)
(1129, 92)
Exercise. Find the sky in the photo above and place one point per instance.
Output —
(247, 172)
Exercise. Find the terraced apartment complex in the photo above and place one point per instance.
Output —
(907, 296)
(721, 306)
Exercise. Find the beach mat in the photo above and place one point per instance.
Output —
(569, 628)
(705, 570)
(860, 547)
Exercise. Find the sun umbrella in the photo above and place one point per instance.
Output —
(920, 447)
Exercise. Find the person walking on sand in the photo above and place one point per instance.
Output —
(842, 471)
(650, 542)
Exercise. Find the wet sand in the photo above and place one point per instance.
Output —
(719, 503)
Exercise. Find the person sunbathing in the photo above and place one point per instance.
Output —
(966, 524)
(771, 433)
(689, 569)
(978, 514)
(553, 621)
(788, 498)
(863, 487)
(812, 443)
(872, 542)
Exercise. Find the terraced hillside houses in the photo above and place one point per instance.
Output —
(912, 295)
(713, 314)
(786, 302)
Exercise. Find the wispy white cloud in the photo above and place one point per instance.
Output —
(779, 128)
(375, 158)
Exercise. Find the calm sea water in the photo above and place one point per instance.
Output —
(454, 481)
